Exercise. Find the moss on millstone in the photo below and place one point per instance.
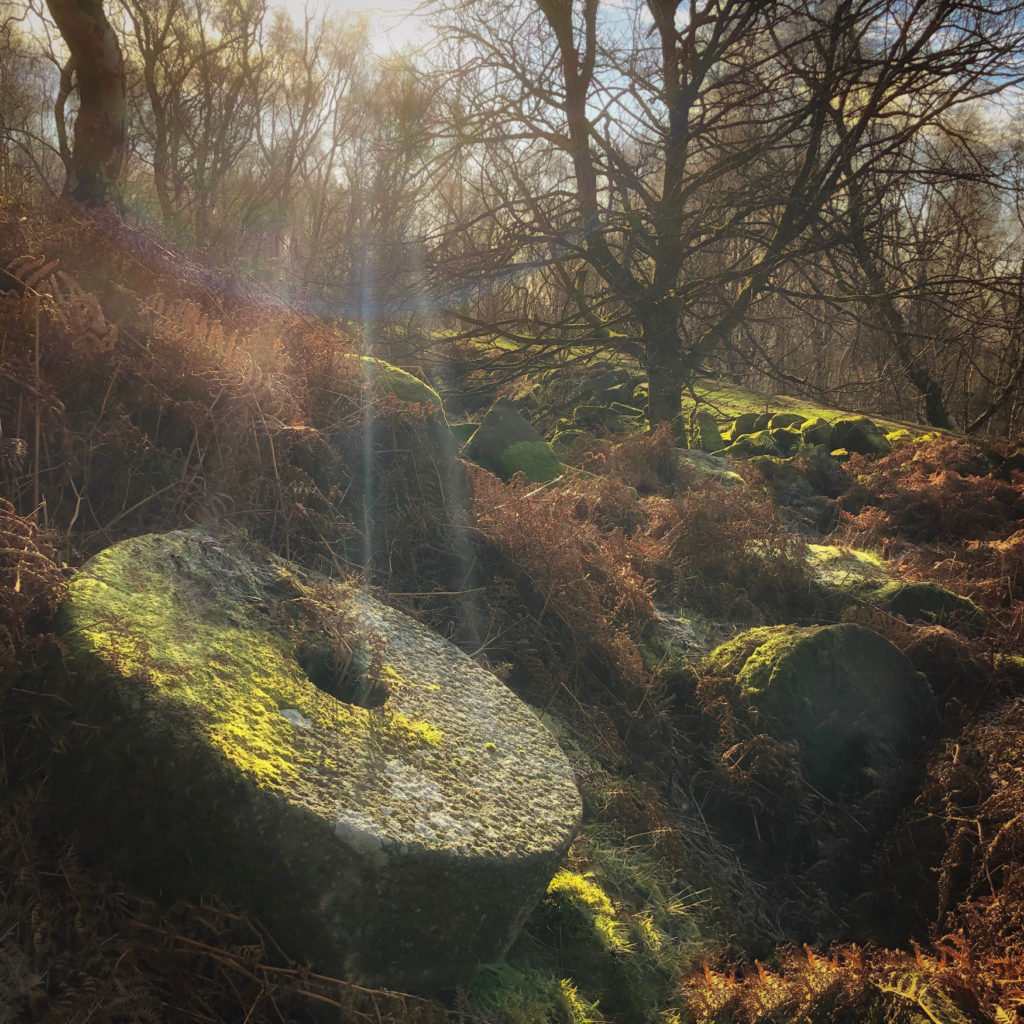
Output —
(847, 696)
(398, 844)
(536, 460)
(393, 380)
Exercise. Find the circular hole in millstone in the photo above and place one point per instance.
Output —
(345, 675)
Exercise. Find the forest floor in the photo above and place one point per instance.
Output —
(711, 880)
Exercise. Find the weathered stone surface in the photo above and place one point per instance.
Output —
(850, 699)
(391, 813)
(701, 464)
(507, 443)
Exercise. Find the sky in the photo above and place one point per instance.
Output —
(394, 23)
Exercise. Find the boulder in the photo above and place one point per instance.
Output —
(928, 602)
(507, 443)
(817, 431)
(851, 576)
(859, 434)
(746, 446)
(383, 377)
(709, 437)
(785, 419)
(847, 696)
(744, 424)
(712, 467)
(390, 810)
(787, 439)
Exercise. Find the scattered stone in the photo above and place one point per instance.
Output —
(507, 443)
(746, 446)
(714, 467)
(859, 434)
(744, 424)
(846, 695)
(390, 810)
(787, 439)
(762, 420)
(785, 419)
(852, 576)
(817, 431)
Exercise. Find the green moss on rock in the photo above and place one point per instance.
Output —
(859, 434)
(847, 696)
(785, 419)
(393, 380)
(816, 431)
(388, 843)
(536, 460)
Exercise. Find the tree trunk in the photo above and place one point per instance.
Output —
(100, 139)
(664, 371)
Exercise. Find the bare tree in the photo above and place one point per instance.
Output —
(701, 143)
(100, 137)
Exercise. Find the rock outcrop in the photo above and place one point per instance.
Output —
(390, 810)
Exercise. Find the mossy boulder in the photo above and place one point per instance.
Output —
(507, 443)
(786, 439)
(816, 431)
(384, 378)
(744, 424)
(859, 434)
(852, 576)
(536, 460)
(746, 446)
(782, 420)
(288, 743)
(928, 602)
(709, 437)
(847, 696)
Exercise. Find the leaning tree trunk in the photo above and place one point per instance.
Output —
(100, 139)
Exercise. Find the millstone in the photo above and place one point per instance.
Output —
(387, 808)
